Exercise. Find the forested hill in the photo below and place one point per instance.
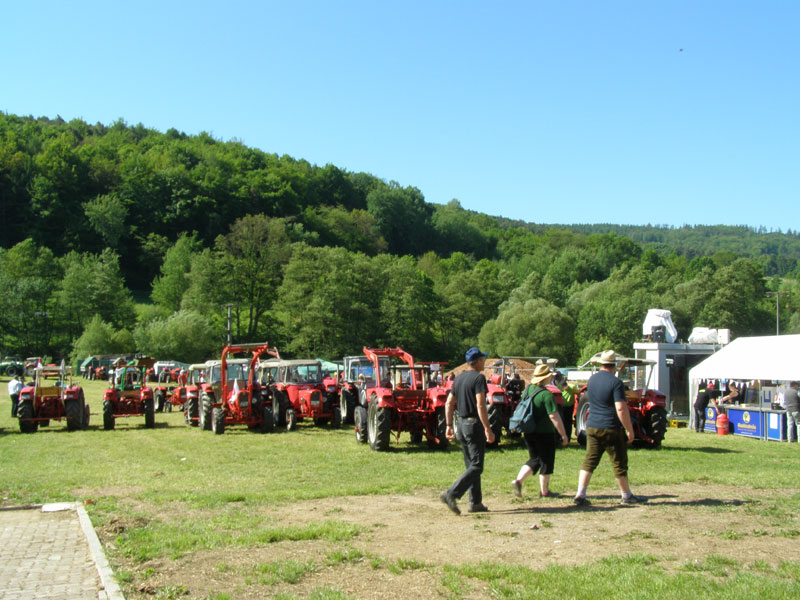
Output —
(321, 261)
(75, 186)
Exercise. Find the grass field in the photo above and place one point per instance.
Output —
(312, 514)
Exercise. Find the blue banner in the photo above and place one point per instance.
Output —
(746, 422)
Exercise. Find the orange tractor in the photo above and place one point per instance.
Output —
(233, 396)
(400, 398)
(42, 402)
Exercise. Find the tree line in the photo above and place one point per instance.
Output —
(124, 238)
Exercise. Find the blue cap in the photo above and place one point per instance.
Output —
(474, 353)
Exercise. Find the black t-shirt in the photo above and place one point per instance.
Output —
(703, 398)
(465, 388)
(605, 389)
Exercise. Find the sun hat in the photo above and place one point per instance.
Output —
(474, 353)
(540, 373)
(607, 357)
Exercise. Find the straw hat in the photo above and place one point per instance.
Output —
(607, 357)
(541, 373)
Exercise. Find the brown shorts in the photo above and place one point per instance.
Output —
(614, 442)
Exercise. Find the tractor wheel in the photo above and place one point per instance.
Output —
(441, 430)
(496, 424)
(360, 420)
(580, 420)
(159, 398)
(11, 370)
(25, 411)
(149, 414)
(218, 421)
(336, 419)
(72, 410)
(655, 425)
(86, 415)
(379, 429)
(290, 419)
(190, 408)
(167, 404)
(279, 405)
(205, 412)
(347, 405)
(108, 415)
(267, 419)
(416, 437)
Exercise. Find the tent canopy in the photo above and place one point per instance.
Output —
(772, 358)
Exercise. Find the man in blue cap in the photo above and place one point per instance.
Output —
(468, 397)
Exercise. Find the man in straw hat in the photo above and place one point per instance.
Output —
(468, 396)
(541, 443)
(608, 429)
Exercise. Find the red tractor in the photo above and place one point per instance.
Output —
(240, 398)
(41, 402)
(187, 394)
(648, 408)
(399, 398)
(299, 392)
(163, 391)
(505, 391)
(130, 396)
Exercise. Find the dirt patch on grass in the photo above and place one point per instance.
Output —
(409, 538)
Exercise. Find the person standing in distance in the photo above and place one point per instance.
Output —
(468, 396)
(792, 404)
(608, 429)
(14, 388)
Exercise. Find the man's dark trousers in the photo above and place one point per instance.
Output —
(14, 405)
(473, 445)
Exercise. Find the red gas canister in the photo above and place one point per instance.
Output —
(723, 425)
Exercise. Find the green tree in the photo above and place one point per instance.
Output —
(99, 337)
(186, 336)
(533, 328)
(403, 217)
(106, 214)
(171, 285)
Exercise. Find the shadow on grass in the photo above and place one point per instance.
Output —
(704, 449)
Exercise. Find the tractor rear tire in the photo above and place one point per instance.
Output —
(191, 412)
(205, 412)
(290, 419)
(580, 420)
(380, 425)
(86, 415)
(108, 415)
(25, 411)
(360, 419)
(267, 419)
(441, 430)
(347, 405)
(11, 370)
(336, 418)
(655, 424)
(279, 404)
(496, 424)
(159, 398)
(218, 421)
(149, 414)
(72, 410)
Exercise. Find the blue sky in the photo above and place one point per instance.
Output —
(553, 112)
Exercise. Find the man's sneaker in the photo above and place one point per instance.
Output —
(549, 495)
(517, 487)
(581, 501)
(477, 508)
(450, 501)
(632, 499)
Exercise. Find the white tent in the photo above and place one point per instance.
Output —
(775, 358)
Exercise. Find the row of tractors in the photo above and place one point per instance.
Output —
(382, 393)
